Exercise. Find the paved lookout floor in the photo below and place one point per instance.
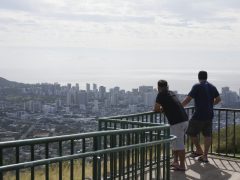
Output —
(217, 169)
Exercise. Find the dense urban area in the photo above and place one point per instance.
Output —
(42, 110)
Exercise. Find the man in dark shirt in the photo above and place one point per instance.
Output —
(205, 96)
(168, 103)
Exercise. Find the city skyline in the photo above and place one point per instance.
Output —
(93, 86)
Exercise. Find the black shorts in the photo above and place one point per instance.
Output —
(197, 126)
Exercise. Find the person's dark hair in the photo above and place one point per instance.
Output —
(163, 84)
(202, 75)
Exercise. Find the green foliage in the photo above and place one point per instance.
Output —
(25, 174)
(226, 140)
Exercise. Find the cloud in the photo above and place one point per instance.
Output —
(203, 11)
(103, 18)
(125, 23)
(23, 5)
(141, 11)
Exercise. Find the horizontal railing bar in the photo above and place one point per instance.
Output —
(78, 136)
(217, 109)
(131, 115)
(152, 112)
(82, 155)
(130, 122)
(227, 109)
(139, 114)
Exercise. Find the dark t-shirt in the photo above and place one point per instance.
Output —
(172, 107)
(203, 94)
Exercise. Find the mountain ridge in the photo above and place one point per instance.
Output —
(6, 83)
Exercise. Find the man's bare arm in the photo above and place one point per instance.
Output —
(186, 101)
(157, 108)
(217, 100)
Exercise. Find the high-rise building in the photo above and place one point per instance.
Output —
(135, 91)
(144, 89)
(69, 100)
(229, 98)
(102, 92)
(83, 97)
(33, 106)
(77, 86)
(95, 106)
(149, 99)
(88, 87)
(116, 89)
(94, 87)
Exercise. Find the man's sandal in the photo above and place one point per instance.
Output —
(178, 169)
(194, 154)
(202, 159)
(174, 165)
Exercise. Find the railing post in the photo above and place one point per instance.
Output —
(83, 159)
(99, 124)
(32, 159)
(1, 163)
(94, 169)
(128, 157)
(158, 157)
(218, 146)
(17, 161)
(150, 159)
(105, 158)
(111, 158)
(47, 165)
(60, 163)
(226, 145)
(234, 133)
(142, 150)
(136, 156)
(99, 167)
(96, 159)
(120, 158)
(168, 156)
(72, 162)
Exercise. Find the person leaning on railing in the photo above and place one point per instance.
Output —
(205, 95)
(167, 102)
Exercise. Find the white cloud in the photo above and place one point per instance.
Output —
(123, 24)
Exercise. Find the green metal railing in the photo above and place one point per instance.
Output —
(225, 132)
(119, 150)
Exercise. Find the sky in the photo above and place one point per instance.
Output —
(124, 43)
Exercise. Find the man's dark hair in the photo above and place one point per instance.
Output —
(202, 75)
(162, 84)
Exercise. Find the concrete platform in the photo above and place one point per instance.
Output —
(218, 168)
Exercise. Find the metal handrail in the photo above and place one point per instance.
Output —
(83, 155)
(80, 136)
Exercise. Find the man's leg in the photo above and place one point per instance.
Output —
(180, 147)
(175, 152)
(195, 141)
(193, 130)
(181, 154)
(207, 144)
(175, 158)
(207, 133)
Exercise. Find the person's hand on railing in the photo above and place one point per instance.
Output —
(158, 108)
